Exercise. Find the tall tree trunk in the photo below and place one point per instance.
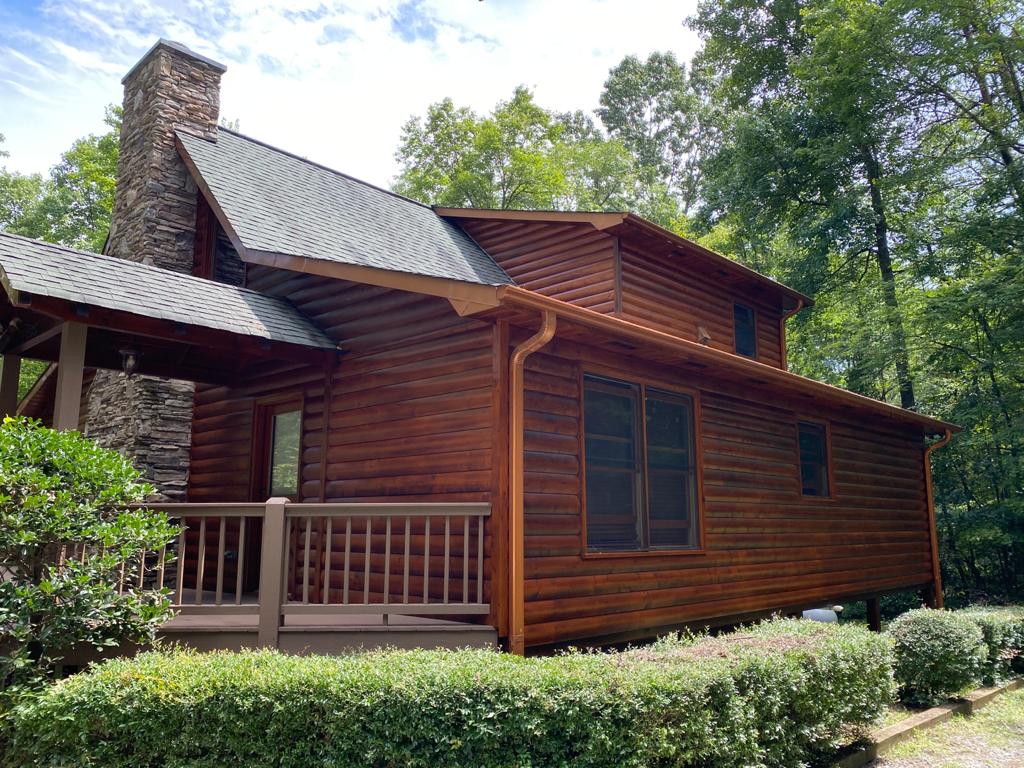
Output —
(883, 257)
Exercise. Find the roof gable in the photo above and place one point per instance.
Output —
(278, 203)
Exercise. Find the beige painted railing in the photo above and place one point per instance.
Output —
(280, 558)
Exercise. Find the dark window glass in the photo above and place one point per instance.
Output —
(613, 514)
(671, 471)
(285, 441)
(813, 459)
(641, 493)
(744, 330)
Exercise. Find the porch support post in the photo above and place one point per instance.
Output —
(272, 572)
(70, 366)
(10, 372)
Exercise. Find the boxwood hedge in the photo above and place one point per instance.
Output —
(770, 696)
(938, 654)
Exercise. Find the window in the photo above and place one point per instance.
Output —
(744, 330)
(641, 477)
(278, 449)
(814, 459)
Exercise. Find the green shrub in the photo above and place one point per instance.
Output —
(1003, 633)
(770, 696)
(58, 493)
(808, 685)
(938, 654)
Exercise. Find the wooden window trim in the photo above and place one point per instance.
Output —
(204, 246)
(753, 322)
(829, 462)
(643, 382)
(264, 409)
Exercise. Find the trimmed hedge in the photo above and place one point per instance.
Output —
(770, 696)
(1002, 631)
(938, 654)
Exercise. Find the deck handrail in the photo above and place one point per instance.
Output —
(328, 559)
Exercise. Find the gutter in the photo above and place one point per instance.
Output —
(512, 296)
(937, 599)
(516, 521)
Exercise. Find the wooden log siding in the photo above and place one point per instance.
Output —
(617, 276)
(672, 294)
(766, 545)
(570, 262)
(413, 402)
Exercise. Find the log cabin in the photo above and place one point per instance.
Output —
(413, 425)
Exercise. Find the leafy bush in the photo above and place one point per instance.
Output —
(938, 654)
(62, 494)
(768, 697)
(809, 685)
(1003, 633)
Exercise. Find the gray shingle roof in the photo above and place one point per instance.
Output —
(44, 269)
(280, 203)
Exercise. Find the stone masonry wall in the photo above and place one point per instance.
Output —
(153, 221)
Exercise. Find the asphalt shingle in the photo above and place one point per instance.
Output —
(280, 203)
(44, 269)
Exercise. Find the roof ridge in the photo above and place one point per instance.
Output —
(321, 166)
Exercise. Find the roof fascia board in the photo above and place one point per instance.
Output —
(516, 297)
(598, 220)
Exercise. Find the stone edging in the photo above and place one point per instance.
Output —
(884, 739)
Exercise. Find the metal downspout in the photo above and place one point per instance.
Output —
(800, 304)
(933, 531)
(517, 556)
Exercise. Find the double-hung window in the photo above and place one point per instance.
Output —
(641, 469)
(744, 326)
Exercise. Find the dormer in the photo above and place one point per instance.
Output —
(623, 265)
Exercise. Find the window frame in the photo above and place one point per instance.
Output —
(642, 383)
(826, 427)
(753, 326)
(264, 411)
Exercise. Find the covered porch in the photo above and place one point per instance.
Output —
(302, 577)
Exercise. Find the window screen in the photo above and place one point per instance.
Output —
(744, 330)
(813, 459)
(641, 480)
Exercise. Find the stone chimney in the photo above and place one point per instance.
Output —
(153, 221)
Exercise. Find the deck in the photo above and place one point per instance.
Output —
(323, 578)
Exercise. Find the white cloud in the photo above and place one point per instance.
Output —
(333, 81)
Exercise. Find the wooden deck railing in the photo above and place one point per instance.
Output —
(281, 558)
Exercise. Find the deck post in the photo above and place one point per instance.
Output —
(10, 372)
(70, 366)
(271, 572)
(874, 614)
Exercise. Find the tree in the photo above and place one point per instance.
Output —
(68, 536)
(73, 205)
(652, 109)
(520, 156)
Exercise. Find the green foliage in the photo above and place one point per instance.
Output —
(73, 205)
(1003, 631)
(938, 654)
(60, 492)
(774, 697)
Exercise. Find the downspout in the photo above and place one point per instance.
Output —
(516, 521)
(933, 531)
(782, 331)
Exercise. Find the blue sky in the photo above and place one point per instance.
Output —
(333, 81)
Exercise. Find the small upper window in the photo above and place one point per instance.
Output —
(744, 330)
(814, 459)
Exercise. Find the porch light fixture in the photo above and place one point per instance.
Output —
(129, 361)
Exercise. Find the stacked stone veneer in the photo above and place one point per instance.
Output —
(171, 88)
